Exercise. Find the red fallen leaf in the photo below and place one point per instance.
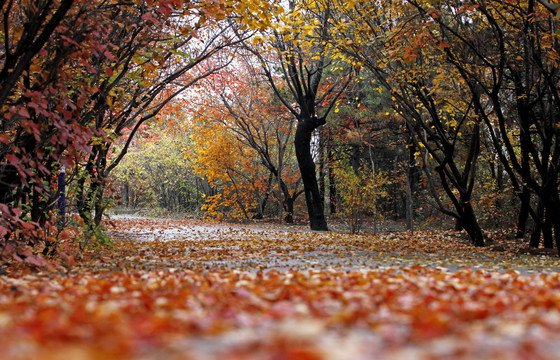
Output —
(474, 314)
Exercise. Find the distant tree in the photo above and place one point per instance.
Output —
(258, 121)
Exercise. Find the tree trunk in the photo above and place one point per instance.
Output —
(264, 201)
(552, 219)
(356, 164)
(464, 215)
(289, 217)
(61, 203)
(98, 205)
(287, 202)
(302, 142)
(548, 242)
(555, 220)
(537, 229)
(458, 225)
(470, 224)
(551, 215)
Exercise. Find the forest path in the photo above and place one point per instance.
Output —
(156, 243)
(182, 289)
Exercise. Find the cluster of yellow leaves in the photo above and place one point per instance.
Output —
(257, 14)
(361, 193)
(110, 310)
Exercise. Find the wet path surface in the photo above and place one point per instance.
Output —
(199, 245)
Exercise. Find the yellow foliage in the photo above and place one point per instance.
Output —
(361, 193)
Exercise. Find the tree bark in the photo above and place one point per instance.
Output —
(289, 217)
(306, 165)
(537, 229)
(470, 224)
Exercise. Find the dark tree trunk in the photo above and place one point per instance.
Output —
(9, 180)
(411, 181)
(289, 217)
(408, 204)
(470, 224)
(264, 202)
(555, 220)
(548, 242)
(306, 165)
(458, 225)
(464, 215)
(127, 194)
(35, 206)
(409, 200)
(98, 205)
(356, 158)
(537, 229)
(287, 202)
(551, 202)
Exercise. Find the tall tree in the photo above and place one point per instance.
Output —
(392, 42)
(296, 53)
(507, 55)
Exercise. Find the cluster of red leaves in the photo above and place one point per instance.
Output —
(107, 307)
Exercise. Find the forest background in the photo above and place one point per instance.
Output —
(369, 115)
(409, 110)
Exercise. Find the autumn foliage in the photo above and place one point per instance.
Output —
(384, 112)
(77, 77)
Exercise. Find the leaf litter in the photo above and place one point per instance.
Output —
(191, 290)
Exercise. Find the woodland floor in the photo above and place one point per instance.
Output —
(182, 289)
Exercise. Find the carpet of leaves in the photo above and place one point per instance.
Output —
(173, 289)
